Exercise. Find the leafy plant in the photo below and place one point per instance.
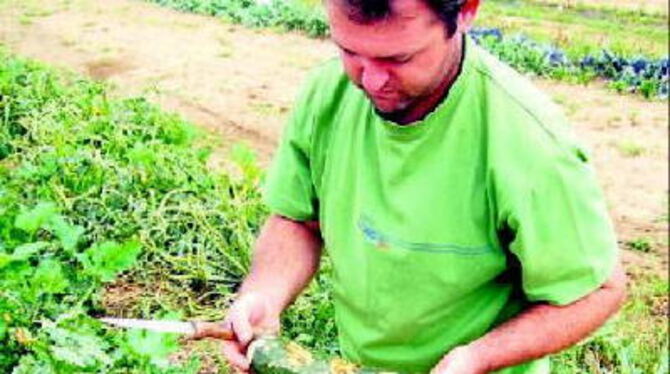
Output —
(97, 194)
(79, 204)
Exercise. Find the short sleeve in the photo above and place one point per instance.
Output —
(562, 234)
(288, 189)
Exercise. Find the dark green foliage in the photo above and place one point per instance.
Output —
(73, 215)
(91, 188)
(275, 13)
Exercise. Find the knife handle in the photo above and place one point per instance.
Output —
(214, 330)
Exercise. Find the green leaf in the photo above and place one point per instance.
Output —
(3, 328)
(24, 251)
(69, 235)
(31, 365)
(154, 346)
(142, 155)
(78, 348)
(49, 278)
(5, 259)
(107, 259)
(32, 220)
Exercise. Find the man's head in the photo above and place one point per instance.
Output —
(402, 53)
(371, 11)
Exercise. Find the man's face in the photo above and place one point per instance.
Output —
(399, 61)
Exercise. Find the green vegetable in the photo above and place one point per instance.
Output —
(273, 355)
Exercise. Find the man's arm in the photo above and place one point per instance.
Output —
(538, 331)
(286, 256)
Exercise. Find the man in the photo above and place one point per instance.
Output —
(465, 228)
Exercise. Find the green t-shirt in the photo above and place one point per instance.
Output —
(440, 230)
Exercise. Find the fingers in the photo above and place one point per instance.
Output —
(239, 322)
(234, 353)
(248, 316)
(239, 319)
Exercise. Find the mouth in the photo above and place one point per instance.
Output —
(382, 96)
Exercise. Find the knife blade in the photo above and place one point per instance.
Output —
(192, 329)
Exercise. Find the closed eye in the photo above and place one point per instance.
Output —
(399, 59)
(348, 52)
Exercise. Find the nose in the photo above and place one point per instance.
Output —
(373, 77)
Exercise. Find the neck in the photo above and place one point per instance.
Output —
(427, 104)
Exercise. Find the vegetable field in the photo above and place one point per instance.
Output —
(124, 191)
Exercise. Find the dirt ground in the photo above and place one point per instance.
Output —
(240, 83)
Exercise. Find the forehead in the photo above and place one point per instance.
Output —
(411, 25)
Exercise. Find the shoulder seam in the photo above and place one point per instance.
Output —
(516, 99)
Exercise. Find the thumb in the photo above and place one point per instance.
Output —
(241, 325)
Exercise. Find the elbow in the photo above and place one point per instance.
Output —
(617, 286)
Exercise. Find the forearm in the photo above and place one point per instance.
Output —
(286, 256)
(545, 329)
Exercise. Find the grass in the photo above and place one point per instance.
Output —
(581, 29)
(635, 341)
(628, 148)
(658, 8)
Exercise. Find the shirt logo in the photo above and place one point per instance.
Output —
(384, 241)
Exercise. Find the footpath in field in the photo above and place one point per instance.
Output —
(240, 83)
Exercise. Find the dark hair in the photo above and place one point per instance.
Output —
(368, 11)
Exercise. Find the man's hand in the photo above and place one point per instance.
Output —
(461, 360)
(249, 316)
(286, 256)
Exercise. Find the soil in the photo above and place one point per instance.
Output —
(240, 83)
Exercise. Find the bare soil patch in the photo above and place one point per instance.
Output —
(241, 83)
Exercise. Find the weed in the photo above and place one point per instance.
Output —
(630, 149)
(264, 108)
(640, 245)
(25, 20)
(226, 53)
(632, 342)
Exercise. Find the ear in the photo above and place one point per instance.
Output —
(467, 15)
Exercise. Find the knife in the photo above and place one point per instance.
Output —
(191, 329)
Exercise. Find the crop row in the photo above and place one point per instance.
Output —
(648, 77)
(645, 76)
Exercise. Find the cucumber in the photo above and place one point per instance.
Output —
(273, 355)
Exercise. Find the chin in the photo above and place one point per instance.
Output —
(390, 107)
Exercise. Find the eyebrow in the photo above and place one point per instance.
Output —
(389, 57)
